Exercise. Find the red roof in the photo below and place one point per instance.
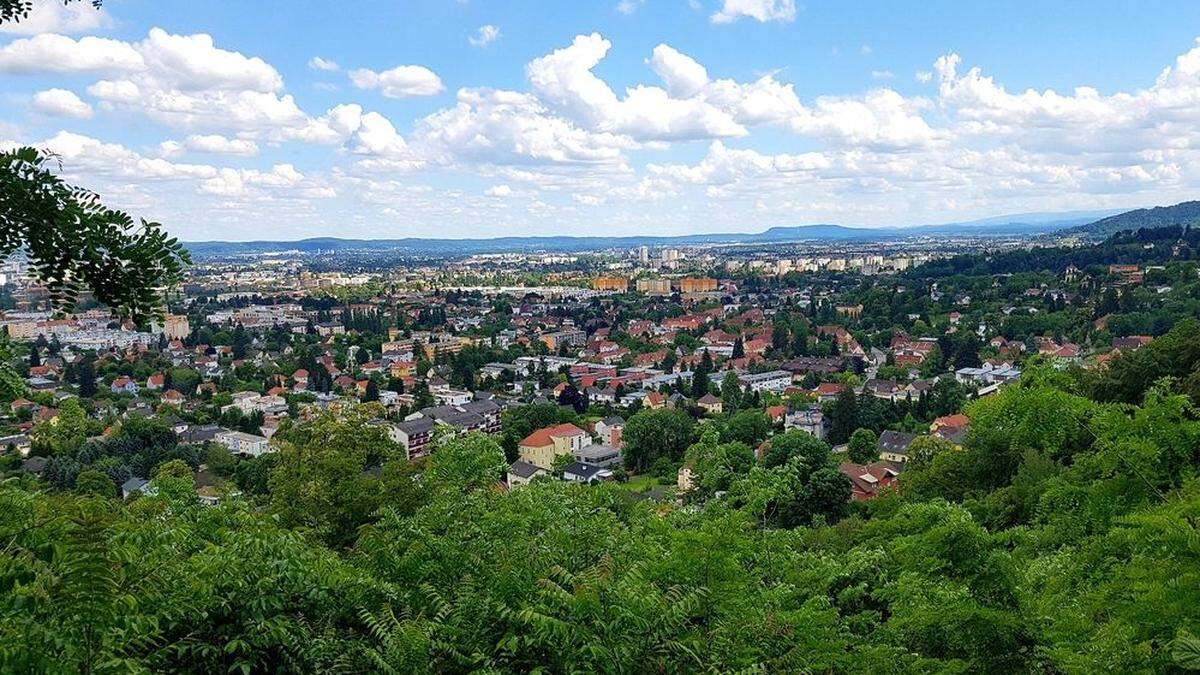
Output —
(546, 435)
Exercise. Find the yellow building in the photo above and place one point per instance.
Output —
(654, 286)
(542, 446)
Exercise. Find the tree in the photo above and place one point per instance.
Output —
(75, 243)
(731, 392)
(739, 348)
(95, 482)
(700, 377)
(716, 465)
(746, 426)
(66, 433)
(843, 416)
(795, 443)
(371, 393)
(653, 434)
(320, 483)
(864, 446)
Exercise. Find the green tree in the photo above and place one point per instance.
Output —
(653, 434)
(123, 265)
(95, 482)
(731, 392)
(864, 446)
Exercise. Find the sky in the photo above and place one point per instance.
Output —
(480, 118)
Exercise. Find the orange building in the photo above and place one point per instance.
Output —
(619, 284)
(697, 285)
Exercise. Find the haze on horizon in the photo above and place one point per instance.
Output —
(629, 117)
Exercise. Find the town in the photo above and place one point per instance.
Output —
(718, 336)
(573, 362)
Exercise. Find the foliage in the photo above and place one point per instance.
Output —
(75, 243)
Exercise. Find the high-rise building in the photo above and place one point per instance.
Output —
(644, 254)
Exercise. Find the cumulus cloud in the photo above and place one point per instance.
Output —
(59, 17)
(61, 103)
(759, 10)
(399, 82)
(565, 80)
(498, 191)
(484, 36)
(210, 143)
(51, 53)
(507, 127)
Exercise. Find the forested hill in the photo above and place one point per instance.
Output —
(1183, 213)
(1144, 246)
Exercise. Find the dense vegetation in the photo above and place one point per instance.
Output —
(1060, 537)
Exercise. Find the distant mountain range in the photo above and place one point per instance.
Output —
(1184, 213)
(1013, 225)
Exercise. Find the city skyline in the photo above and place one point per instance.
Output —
(462, 120)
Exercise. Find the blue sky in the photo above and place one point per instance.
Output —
(475, 118)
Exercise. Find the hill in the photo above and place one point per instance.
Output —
(996, 226)
(1184, 213)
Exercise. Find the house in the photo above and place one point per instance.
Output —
(893, 446)
(946, 422)
(522, 473)
(123, 385)
(1128, 344)
(810, 420)
(135, 486)
(542, 446)
(155, 382)
(654, 400)
(886, 389)
(828, 391)
(604, 456)
(868, 480)
(241, 443)
(578, 472)
(17, 442)
(710, 404)
(609, 430)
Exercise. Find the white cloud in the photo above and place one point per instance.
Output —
(56, 16)
(485, 35)
(565, 80)
(924, 76)
(759, 10)
(61, 103)
(318, 63)
(882, 74)
(681, 73)
(210, 143)
(507, 127)
(499, 191)
(85, 154)
(50, 53)
(399, 82)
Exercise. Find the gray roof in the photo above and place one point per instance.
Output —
(614, 421)
(523, 469)
(415, 427)
(895, 441)
(582, 470)
(134, 484)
